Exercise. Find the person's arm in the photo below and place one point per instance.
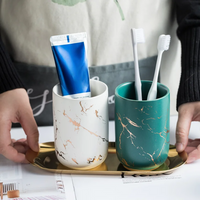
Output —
(9, 78)
(14, 107)
(188, 98)
(188, 17)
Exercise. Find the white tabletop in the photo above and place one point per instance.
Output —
(182, 184)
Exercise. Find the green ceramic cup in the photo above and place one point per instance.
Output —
(142, 128)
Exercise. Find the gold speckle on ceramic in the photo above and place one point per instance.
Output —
(131, 135)
(132, 123)
(68, 141)
(123, 127)
(78, 126)
(99, 116)
(162, 134)
(148, 155)
(124, 162)
(91, 160)
(151, 156)
(83, 109)
(60, 153)
(56, 130)
(143, 110)
(165, 132)
(75, 160)
(75, 123)
(151, 118)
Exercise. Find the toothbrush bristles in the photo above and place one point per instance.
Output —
(164, 42)
(138, 35)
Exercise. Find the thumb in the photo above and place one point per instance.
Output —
(29, 125)
(182, 130)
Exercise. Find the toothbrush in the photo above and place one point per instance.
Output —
(163, 45)
(137, 37)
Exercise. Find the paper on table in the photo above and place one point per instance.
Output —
(8, 170)
(29, 179)
(10, 175)
(69, 187)
(182, 184)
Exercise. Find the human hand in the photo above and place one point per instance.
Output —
(187, 113)
(15, 107)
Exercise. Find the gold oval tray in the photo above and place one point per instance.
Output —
(46, 160)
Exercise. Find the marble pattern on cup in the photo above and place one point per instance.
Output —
(144, 124)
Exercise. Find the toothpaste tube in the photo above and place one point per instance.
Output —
(70, 55)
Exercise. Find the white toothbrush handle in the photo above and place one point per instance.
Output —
(138, 84)
(153, 90)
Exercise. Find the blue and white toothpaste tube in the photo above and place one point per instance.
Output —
(70, 55)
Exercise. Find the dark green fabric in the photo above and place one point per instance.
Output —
(39, 81)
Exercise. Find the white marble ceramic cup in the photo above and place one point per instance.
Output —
(81, 127)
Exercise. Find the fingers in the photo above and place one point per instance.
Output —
(15, 107)
(182, 130)
(29, 125)
(6, 144)
(12, 154)
(189, 149)
(194, 155)
(26, 119)
(21, 147)
(193, 150)
(193, 143)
